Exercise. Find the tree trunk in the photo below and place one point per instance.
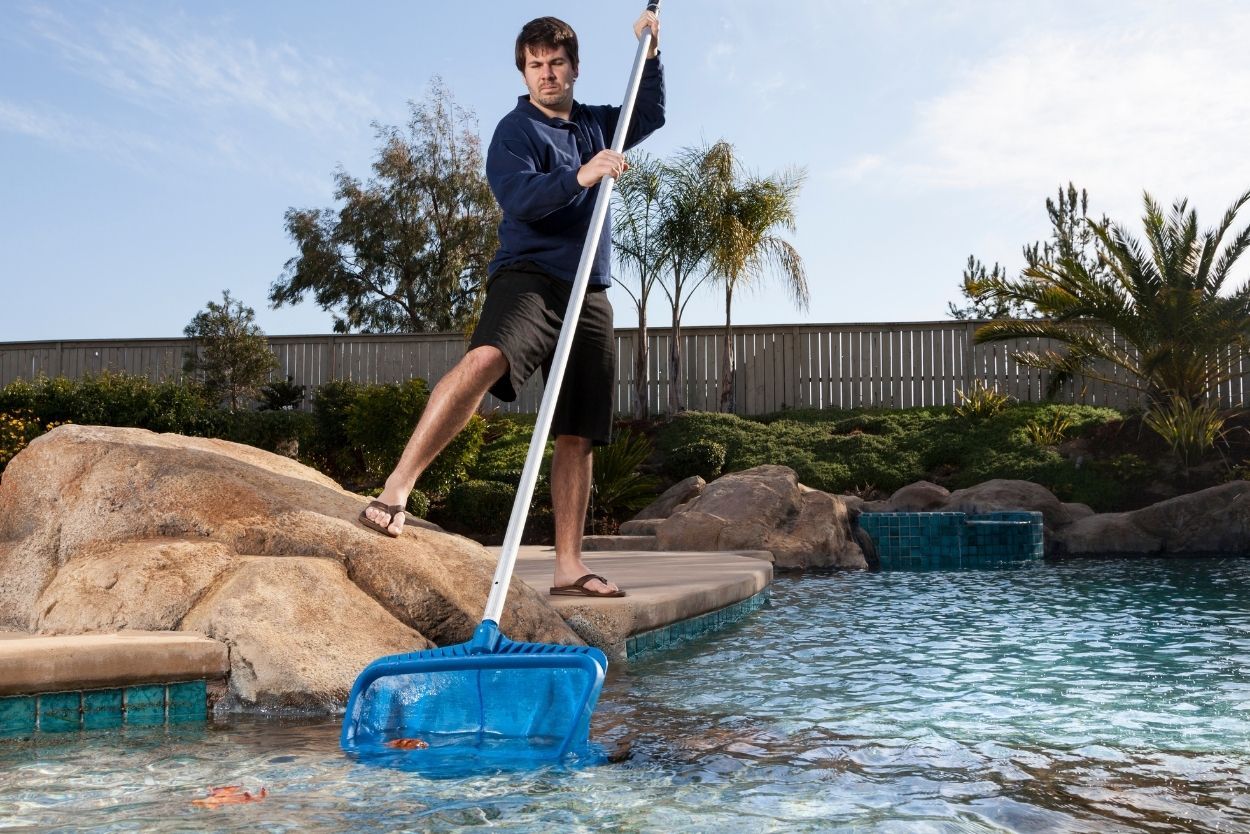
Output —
(727, 356)
(676, 385)
(642, 404)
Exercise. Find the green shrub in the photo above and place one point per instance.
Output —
(281, 395)
(981, 401)
(1190, 430)
(273, 431)
(17, 428)
(618, 488)
(843, 451)
(705, 458)
(111, 399)
(480, 508)
(331, 447)
(1052, 432)
(379, 422)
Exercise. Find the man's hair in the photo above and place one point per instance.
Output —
(545, 33)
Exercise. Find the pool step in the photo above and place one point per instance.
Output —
(87, 681)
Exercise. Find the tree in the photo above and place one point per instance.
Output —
(1072, 237)
(1165, 300)
(685, 247)
(636, 242)
(230, 358)
(407, 251)
(744, 214)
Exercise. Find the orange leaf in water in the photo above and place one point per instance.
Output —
(407, 744)
(229, 795)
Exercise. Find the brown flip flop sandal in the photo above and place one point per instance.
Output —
(578, 588)
(373, 525)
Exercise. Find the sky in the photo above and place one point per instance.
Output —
(149, 150)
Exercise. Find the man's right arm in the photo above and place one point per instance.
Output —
(523, 191)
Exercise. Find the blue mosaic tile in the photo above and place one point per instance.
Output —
(673, 634)
(930, 541)
(188, 700)
(101, 708)
(145, 704)
(17, 715)
(60, 711)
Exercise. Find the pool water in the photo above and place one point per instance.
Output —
(1106, 695)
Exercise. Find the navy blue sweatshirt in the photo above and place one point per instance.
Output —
(532, 167)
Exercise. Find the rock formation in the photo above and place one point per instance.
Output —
(765, 508)
(107, 528)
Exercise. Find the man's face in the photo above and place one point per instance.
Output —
(549, 77)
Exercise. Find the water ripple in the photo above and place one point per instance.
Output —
(1108, 696)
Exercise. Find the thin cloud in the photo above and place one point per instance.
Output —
(68, 131)
(176, 62)
(1159, 106)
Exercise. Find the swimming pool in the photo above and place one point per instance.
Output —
(1105, 695)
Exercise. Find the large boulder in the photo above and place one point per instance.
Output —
(1009, 495)
(106, 528)
(765, 508)
(679, 493)
(1214, 520)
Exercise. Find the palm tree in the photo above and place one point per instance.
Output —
(1164, 301)
(637, 234)
(685, 247)
(744, 214)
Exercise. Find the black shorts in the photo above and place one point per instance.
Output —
(522, 315)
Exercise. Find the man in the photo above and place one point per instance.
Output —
(544, 164)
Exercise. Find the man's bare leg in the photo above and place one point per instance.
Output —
(571, 468)
(451, 404)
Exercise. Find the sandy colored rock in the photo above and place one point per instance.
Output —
(765, 508)
(298, 631)
(679, 493)
(919, 497)
(105, 528)
(1105, 533)
(149, 585)
(1009, 495)
(1213, 520)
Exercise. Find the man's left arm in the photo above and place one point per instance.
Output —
(649, 106)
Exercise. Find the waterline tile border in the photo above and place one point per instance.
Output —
(58, 712)
(669, 636)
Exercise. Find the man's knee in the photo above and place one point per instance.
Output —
(574, 443)
(485, 362)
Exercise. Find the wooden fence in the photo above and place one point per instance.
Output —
(778, 367)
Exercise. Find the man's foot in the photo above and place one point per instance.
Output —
(587, 585)
(383, 517)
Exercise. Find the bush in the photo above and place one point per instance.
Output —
(705, 458)
(618, 488)
(842, 451)
(479, 508)
(981, 401)
(111, 399)
(17, 428)
(1189, 430)
(284, 432)
(331, 448)
(379, 421)
(281, 395)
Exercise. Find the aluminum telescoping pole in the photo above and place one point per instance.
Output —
(546, 411)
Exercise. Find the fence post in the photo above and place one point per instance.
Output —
(969, 353)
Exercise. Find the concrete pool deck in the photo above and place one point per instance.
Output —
(663, 590)
(669, 596)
